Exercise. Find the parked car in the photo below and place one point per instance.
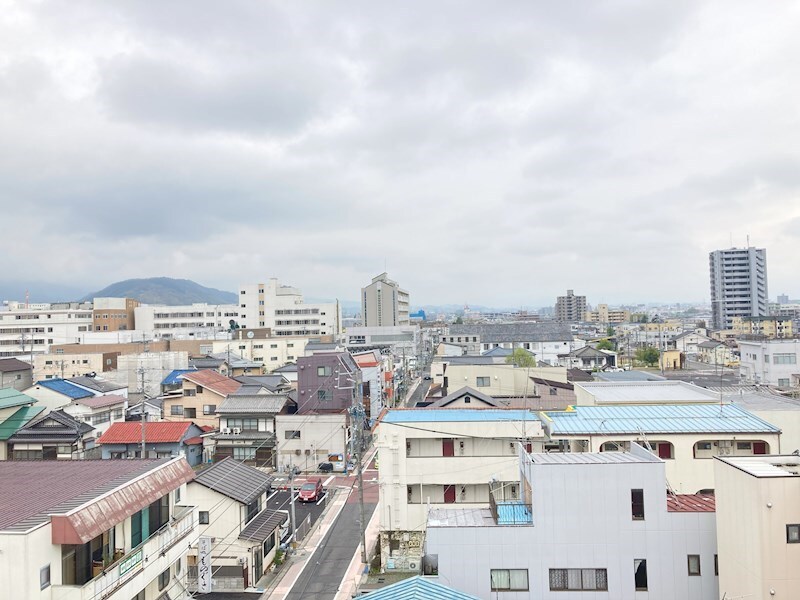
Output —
(310, 491)
(325, 467)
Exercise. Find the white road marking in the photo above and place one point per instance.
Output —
(321, 498)
(327, 482)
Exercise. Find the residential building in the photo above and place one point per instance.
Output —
(271, 351)
(770, 327)
(384, 303)
(422, 468)
(608, 393)
(56, 393)
(81, 530)
(203, 391)
(57, 366)
(496, 379)
(114, 314)
(588, 358)
(289, 371)
(201, 320)
(688, 342)
(304, 441)
(327, 382)
(570, 308)
(373, 380)
(247, 427)
(161, 439)
(98, 386)
(686, 436)
(15, 374)
(605, 316)
(232, 502)
(27, 331)
(769, 362)
(51, 436)
(99, 411)
(714, 352)
(400, 340)
(738, 285)
(16, 410)
(147, 369)
(283, 310)
(544, 340)
(590, 525)
(758, 526)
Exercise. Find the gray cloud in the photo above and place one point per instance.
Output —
(485, 155)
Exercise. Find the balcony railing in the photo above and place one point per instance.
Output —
(510, 512)
(120, 572)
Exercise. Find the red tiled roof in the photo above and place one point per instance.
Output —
(214, 381)
(130, 432)
(366, 360)
(101, 401)
(207, 428)
(690, 503)
(193, 441)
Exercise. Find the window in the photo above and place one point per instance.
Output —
(199, 390)
(637, 505)
(209, 409)
(784, 359)
(177, 495)
(292, 434)
(244, 453)
(203, 515)
(323, 371)
(484, 381)
(693, 561)
(578, 579)
(189, 392)
(793, 534)
(640, 574)
(744, 446)
(509, 580)
(716, 565)
(553, 392)
(323, 395)
(783, 382)
(44, 577)
(176, 410)
(163, 579)
(190, 413)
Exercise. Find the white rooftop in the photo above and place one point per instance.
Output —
(647, 392)
(460, 517)
(778, 465)
(595, 458)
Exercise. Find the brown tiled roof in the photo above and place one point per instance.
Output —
(691, 503)
(214, 381)
(101, 401)
(8, 365)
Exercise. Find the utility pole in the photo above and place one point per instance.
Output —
(357, 427)
(143, 413)
(291, 503)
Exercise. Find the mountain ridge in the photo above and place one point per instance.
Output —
(164, 290)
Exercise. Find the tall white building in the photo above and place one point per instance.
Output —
(384, 303)
(283, 309)
(738, 285)
(187, 320)
(32, 329)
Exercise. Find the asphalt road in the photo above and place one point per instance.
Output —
(420, 392)
(280, 501)
(328, 564)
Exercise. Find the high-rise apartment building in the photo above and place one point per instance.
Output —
(570, 308)
(283, 309)
(738, 285)
(384, 303)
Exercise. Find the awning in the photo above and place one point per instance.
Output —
(263, 525)
(99, 515)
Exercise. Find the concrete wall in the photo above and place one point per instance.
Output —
(505, 380)
(320, 435)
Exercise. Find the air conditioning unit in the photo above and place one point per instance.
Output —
(237, 430)
(413, 564)
(225, 430)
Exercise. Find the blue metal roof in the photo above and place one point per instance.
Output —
(457, 415)
(66, 388)
(176, 376)
(658, 418)
(418, 588)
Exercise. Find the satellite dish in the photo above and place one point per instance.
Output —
(250, 335)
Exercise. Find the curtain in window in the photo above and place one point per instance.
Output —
(518, 579)
(500, 579)
(573, 579)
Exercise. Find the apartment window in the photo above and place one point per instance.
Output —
(783, 383)
(189, 392)
(793, 534)
(509, 580)
(203, 516)
(784, 359)
(292, 434)
(693, 561)
(637, 505)
(176, 410)
(323, 395)
(190, 413)
(209, 409)
(163, 579)
(640, 574)
(744, 446)
(323, 371)
(484, 381)
(244, 453)
(44, 577)
(578, 579)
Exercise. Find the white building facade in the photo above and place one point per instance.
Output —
(165, 322)
(283, 309)
(31, 330)
(769, 362)
(384, 303)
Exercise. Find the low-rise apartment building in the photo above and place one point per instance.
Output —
(491, 376)
(203, 391)
(435, 458)
(584, 526)
(57, 366)
(758, 526)
(85, 530)
(770, 362)
(544, 340)
(304, 441)
(686, 436)
(770, 327)
(327, 382)
(27, 331)
(606, 316)
(15, 374)
(271, 351)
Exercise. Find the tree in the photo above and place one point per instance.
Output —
(610, 331)
(648, 355)
(521, 358)
(458, 321)
(605, 345)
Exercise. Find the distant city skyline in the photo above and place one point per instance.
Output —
(478, 155)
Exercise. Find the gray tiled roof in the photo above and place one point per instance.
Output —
(514, 332)
(98, 385)
(253, 404)
(67, 429)
(235, 480)
(263, 525)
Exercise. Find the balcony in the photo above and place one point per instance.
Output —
(510, 512)
(127, 576)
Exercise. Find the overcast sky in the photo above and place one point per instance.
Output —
(485, 153)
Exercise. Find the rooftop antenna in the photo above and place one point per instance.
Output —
(748, 240)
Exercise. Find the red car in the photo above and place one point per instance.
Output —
(310, 491)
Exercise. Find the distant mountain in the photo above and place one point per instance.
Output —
(164, 290)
